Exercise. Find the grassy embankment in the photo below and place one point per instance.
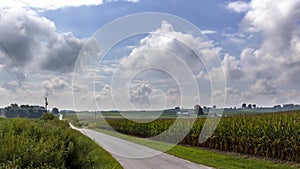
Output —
(32, 143)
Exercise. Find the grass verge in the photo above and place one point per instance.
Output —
(206, 157)
(32, 143)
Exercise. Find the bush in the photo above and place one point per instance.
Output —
(48, 116)
(28, 143)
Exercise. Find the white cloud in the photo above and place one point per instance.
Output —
(104, 92)
(139, 94)
(55, 84)
(175, 48)
(38, 56)
(238, 6)
(32, 41)
(270, 71)
(53, 4)
(177, 58)
(232, 68)
(207, 32)
(48, 4)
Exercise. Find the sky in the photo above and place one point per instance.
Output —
(149, 54)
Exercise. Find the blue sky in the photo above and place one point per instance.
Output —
(209, 14)
(206, 15)
(244, 53)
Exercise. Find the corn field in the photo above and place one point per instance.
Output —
(275, 135)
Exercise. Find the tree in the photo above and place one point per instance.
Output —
(214, 106)
(22, 111)
(249, 106)
(276, 108)
(244, 105)
(198, 110)
(55, 110)
(254, 106)
(14, 105)
(25, 106)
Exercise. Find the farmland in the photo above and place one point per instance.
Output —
(45, 143)
(275, 135)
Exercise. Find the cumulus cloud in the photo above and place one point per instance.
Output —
(180, 55)
(269, 72)
(32, 41)
(231, 67)
(55, 84)
(277, 21)
(262, 87)
(54, 4)
(105, 91)
(165, 45)
(61, 53)
(139, 94)
(238, 6)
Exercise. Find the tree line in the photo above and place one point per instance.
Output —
(26, 111)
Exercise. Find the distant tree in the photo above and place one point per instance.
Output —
(14, 105)
(214, 106)
(177, 108)
(198, 110)
(244, 105)
(249, 106)
(276, 108)
(254, 106)
(24, 111)
(25, 106)
(55, 110)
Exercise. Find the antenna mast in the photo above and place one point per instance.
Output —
(46, 104)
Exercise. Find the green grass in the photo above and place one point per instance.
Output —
(206, 157)
(32, 143)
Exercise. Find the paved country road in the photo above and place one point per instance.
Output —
(127, 152)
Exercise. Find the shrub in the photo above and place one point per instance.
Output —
(48, 143)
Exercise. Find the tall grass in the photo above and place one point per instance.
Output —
(28, 143)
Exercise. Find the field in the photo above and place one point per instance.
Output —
(26, 143)
(274, 135)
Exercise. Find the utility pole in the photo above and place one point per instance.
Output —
(46, 104)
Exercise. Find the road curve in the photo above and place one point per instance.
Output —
(123, 151)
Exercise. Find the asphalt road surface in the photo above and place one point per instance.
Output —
(135, 156)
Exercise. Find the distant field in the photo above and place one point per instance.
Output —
(85, 118)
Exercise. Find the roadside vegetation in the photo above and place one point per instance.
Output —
(48, 143)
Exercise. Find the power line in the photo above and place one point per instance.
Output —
(19, 76)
